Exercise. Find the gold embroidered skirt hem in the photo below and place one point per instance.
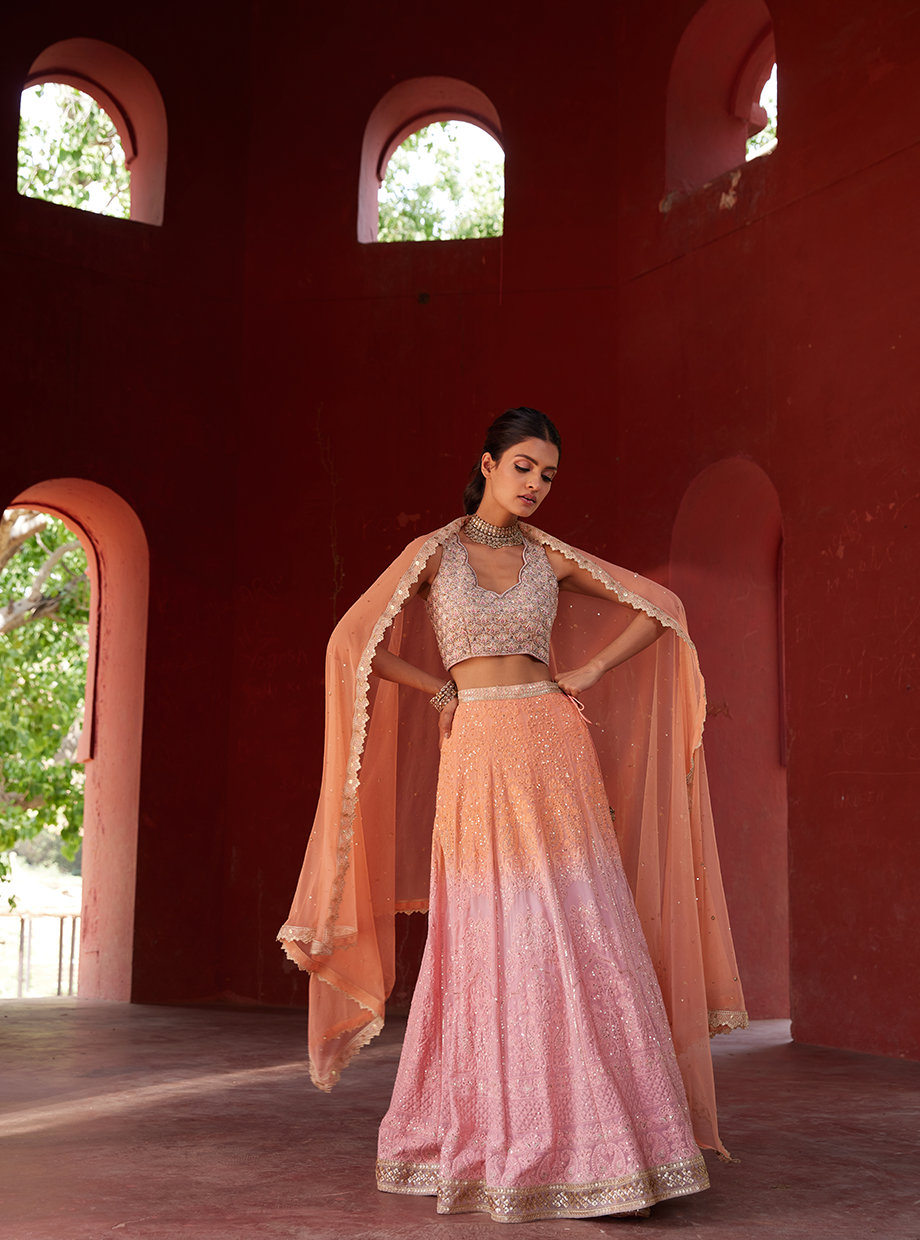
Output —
(624, 1195)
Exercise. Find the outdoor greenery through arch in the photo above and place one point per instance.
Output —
(763, 143)
(70, 152)
(445, 183)
(44, 610)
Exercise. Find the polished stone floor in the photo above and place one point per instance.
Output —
(122, 1120)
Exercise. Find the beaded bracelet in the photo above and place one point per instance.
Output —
(445, 694)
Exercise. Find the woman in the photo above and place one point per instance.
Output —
(537, 1078)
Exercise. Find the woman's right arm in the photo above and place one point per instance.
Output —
(391, 667)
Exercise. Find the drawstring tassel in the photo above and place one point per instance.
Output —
(581, 709)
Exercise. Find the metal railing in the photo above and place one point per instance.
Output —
(68, 949)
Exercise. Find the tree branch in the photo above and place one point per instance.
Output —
(17, 525)
(44, 572)
(16, 613)
(21, 801)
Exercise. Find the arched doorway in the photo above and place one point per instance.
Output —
(118, 566)
(725, 565)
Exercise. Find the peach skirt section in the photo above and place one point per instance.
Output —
(537, 1078)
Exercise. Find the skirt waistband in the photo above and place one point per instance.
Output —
(495, 693)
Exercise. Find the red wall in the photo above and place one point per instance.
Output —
(283, 413)
(785, 328)
(121, 365)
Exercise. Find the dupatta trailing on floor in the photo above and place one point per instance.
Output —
(369, 852)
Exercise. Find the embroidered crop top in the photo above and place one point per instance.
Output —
(470, 621)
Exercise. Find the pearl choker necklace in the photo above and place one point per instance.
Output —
(480, 531)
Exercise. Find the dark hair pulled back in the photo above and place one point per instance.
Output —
(513, 426)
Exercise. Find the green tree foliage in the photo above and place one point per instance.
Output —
(431, 193)
(44, 609)
(46, 851)
(764, 142)
(70, 152)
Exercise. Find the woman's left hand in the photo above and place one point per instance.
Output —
(577, 681)
(445, 721)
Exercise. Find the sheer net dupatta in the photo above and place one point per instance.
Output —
(368, 855)
(649, 716)
(376, 804)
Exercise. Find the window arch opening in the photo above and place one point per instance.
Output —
(713, 108)
(44, 647)
(444, 182)
(407, 108)
(126, 93)
(70, 152)
(764, 141)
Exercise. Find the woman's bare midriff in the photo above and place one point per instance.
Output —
(505, 669)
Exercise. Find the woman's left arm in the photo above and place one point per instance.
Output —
(641, 632)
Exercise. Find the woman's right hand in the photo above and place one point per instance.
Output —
(445, 721)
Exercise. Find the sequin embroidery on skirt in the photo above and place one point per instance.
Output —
(537, 1078)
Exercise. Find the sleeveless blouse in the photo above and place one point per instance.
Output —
(470, 621)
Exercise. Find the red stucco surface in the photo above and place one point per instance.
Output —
(782, 326)
(725, 565)
(283, 412)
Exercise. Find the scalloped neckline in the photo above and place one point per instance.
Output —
(485, 589)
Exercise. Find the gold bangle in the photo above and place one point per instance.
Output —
(445, 694)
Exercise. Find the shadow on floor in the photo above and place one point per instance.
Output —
(124, 1120)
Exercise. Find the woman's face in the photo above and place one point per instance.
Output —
(520, 480)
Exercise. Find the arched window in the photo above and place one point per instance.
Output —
(127, 94)
(70, 152)
(445, 182)
(405, 110)
(721, 65)
(763, 142)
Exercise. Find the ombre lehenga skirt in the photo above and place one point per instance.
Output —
(537, 1078)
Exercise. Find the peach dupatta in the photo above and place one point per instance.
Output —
(368, 856)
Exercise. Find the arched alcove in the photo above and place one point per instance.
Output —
(405, 108)
(724, 57)
(125, 90)
(118, 566)
(725, 565)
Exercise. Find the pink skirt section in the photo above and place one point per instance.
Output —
(537, 1078)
